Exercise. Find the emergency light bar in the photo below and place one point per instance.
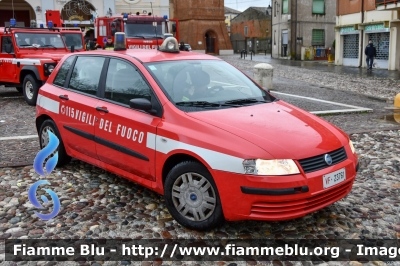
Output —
(119, 41)
(170, 45)
(13, 22)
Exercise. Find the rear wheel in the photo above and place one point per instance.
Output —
(30, 88)
(49, 125)
(192, 197)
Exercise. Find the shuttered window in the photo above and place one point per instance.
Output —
(285, 6)
(318, 37)
(318, 7)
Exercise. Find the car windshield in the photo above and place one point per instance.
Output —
(143, 29)
(74, 39)
(42, 40)
(206, 84)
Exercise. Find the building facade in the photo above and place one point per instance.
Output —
(299, 26)
(358, 22)
(229, 15)
(251, 30)
(75, 12)
(202, 25)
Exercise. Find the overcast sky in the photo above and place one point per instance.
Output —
(242, 5)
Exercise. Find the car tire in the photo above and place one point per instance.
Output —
(49, 124)
(30, 89)
(194, 206)
(19, 89)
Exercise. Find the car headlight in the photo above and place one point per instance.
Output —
(270, 167)
(50, 68)
(352, 147)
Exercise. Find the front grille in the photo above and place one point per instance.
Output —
(316, 163)
(280, 210)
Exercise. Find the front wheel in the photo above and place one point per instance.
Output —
(192, 197)
(49, 125)
(30, 88)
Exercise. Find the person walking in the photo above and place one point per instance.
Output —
(370, 52)
(182, 46)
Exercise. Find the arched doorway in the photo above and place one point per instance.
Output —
(22, 12)
(211, 42)
(78, 12)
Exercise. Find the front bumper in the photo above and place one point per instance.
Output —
(275, 198)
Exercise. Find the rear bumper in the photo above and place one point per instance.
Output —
(275, 198)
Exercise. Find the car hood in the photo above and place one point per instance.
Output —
(53, 56)
(282, 130)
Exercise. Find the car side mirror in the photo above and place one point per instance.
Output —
(8, 47)
(141, 104)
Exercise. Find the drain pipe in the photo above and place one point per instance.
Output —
(295, 33)
(362, 35)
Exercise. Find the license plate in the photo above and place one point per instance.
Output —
(334, 178)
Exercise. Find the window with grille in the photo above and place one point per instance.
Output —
(381, 43)
(318, 7)
(350, 45)
(245, 30)
(318, 37)
(285, 6)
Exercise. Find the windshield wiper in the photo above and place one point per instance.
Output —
(49, 45)
(204, 104)
(25, 45)
(138, 36)
(244, 101)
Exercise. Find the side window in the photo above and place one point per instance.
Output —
(86, 74)
(124, 83)
(6, 41)
(63, 72)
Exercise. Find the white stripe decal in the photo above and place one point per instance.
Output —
(48, 104)
(27, 62)
(216, 160)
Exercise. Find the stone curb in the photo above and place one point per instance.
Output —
(381, 99)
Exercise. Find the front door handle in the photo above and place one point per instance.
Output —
(64, 97)
(102, 109)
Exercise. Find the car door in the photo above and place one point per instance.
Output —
(7, 68)
(78, 115)
(122, 132)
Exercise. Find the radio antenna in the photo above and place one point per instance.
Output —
(154, 24)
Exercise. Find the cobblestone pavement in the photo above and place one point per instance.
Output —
(97, 204)
(119, 208)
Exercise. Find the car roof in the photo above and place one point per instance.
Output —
(31, 30)
(153, 55)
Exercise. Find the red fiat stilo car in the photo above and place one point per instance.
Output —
(197, 130)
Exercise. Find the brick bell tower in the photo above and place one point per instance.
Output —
(202, 25)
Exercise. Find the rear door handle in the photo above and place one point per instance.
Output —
(64, 97)
(102, 109)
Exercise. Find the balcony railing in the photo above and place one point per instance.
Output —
(385, 2)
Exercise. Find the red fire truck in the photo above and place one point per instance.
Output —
(71, 35)
(29, 55)
(143, 31)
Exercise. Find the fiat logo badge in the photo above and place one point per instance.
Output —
(328, 159)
